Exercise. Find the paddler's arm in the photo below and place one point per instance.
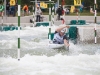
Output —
(66, 43)
(60, 28)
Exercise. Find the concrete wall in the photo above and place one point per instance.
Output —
(87, 34)
(26, 19)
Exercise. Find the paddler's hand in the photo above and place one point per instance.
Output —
(68, 45)
(67, 26)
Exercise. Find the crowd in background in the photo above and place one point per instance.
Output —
(11, 10)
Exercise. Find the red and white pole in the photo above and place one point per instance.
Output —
(63, 3)
(95, 20)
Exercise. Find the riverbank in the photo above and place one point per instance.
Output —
(26, 19)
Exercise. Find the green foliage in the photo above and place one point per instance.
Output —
(87, 3)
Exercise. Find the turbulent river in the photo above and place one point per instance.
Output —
(37, 59)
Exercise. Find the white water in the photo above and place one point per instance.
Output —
(37, 59)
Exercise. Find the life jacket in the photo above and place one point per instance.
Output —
(58, 39)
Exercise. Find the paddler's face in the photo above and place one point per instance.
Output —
(61, 33)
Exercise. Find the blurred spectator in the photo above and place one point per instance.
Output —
(8, 8)
(38, 14)
(16, 8)
(12, 7)
(81, 8)
(91, 10)
(59, 12)
(25, 10)
(12, 10)
(67, 11)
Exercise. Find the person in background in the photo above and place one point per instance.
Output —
(67, 11)
(38, 14)
(91, 10)
(59, 12)
(60, 36)
(8, 8)
(25, 9)
(16, 8)
(12, 10)
(62, 9)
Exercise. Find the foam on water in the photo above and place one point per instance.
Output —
(37, 59)
(82, 64)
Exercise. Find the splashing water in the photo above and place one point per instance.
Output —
(38, 59)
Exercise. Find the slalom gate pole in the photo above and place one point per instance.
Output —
(53, 11)
(49, 20)
(95, 20)
(33, 14)
(63, 21)
(2, 20)
(19, 2)
(77, 16)
(63, 3)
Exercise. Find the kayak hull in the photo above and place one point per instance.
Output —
(56, 46)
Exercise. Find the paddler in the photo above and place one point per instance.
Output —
(60, 36)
